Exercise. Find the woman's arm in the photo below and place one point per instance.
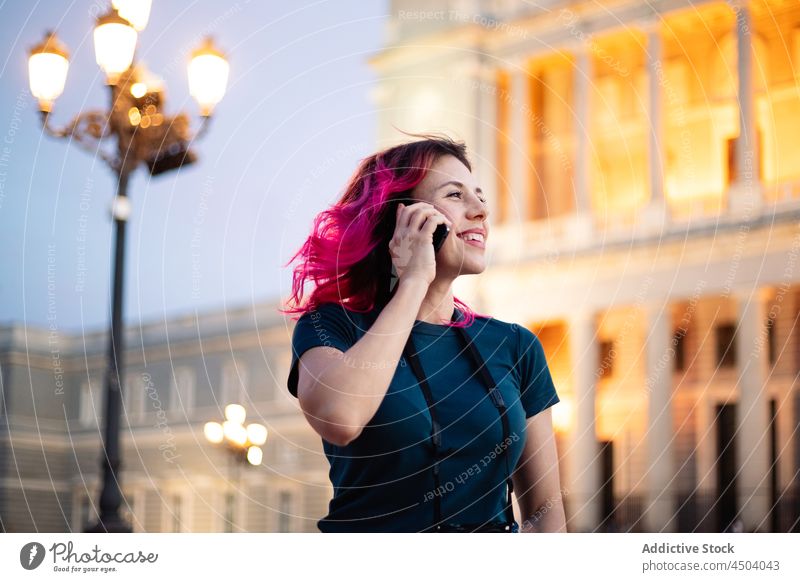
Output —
(536, 480)
(340, 392)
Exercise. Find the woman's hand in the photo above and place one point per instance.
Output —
(411, 246)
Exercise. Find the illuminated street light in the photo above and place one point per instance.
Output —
(114, 45)
(243, 442)
(137, 12)
(142, 135)
(208, 76)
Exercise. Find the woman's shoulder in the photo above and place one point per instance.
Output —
(491, 322)
(329, 322)
(511, 330)
(332, 310)
(329, 306)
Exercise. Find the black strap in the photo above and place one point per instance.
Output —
(439, 452)
(436, 429)
(497, 399)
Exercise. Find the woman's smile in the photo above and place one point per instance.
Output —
(474, 237)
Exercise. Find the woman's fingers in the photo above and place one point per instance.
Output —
(410, 211)
(420, 217)
(432, 222)
(417, 214)
(410, 246)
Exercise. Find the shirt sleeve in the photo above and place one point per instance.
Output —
(537, 391)
(330, 324)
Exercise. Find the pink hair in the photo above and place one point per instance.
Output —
(346, 256)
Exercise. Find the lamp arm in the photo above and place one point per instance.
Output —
(49, 129)
(205, 123)
(88, 129)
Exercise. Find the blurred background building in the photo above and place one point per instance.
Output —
(645, 194)
(180, 374)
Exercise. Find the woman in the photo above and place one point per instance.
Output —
(429, 413)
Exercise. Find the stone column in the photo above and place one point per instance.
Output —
(659, 507)
(583, 454)
(581, 226)
(656, 213)
(745, 193)
(752, 411)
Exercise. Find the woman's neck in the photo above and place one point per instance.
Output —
(438, 305)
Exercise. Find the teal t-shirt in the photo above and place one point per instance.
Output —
(383, 480)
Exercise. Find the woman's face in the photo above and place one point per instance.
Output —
(452, 190)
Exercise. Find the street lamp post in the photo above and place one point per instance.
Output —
(143, 135)
(243, 443)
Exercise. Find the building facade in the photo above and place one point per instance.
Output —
(644, 192)
(179, 374)
(645, 222)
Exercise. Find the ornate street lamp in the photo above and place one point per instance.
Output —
(137, 12)
(142, 135)
(243, 442)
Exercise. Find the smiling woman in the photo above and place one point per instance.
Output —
(430, 415)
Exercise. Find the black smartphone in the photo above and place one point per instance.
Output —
(439, 235)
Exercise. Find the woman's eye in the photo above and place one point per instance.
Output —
(457, 193)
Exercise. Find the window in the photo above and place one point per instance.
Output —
(281, 363)
(796, 431)
(608, 522)
(726, 345)
(287, 452)
(90, 402)
(796, 48)
(678, 76)
(609, 100)
(285, 512)
(551, 122)
(127, 509)
(607, 356)
(731, 147)
(796, 327)
(234, 383)
(182, 392)
(502, 152)
(2, 393)
(176, 516)
(637, 94)
(134, 393)
(772, 341)
(230, 507)
(86, 513)
(679, 345)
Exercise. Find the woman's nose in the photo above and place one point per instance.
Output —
(477, 208)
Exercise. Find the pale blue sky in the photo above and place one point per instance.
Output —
(294, 123)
